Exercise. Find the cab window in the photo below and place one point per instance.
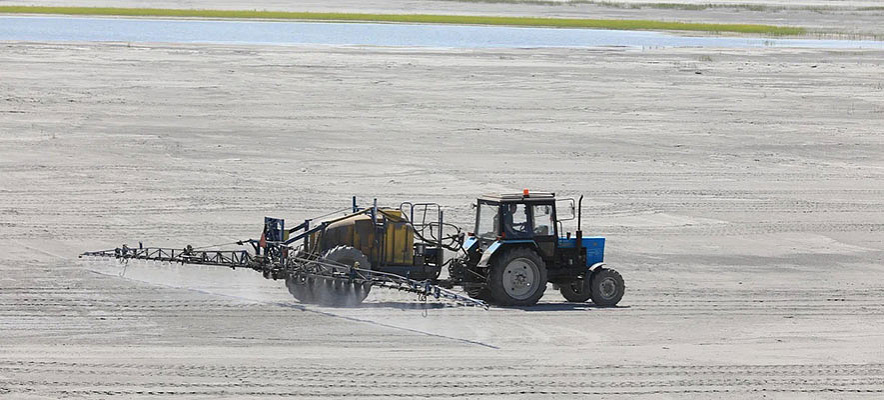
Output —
(487, 222)
(515, 222)
(544, 224)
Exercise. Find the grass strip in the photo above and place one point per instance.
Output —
(677, 6)
(415, 18)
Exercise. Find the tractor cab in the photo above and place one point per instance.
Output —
(526, 218)
(516, 217)
(518, 246)
(532, 218)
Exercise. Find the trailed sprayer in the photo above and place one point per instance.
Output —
(516, 248)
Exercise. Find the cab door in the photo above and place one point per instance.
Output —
(543, 225)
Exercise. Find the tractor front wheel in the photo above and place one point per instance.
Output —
(517, 278)
(607, 287)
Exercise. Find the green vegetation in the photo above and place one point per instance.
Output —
(627, 5)
(677, 6)
(416, 18)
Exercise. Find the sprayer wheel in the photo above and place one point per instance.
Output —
(301, 288)
(339, 292)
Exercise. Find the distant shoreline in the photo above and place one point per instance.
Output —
(613, 24)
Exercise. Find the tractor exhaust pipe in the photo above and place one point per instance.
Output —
(581, 255)
(579, 211)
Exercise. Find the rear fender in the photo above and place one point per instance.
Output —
(495, 248)
(486, 255)
(471, 244)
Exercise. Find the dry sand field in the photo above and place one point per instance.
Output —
(740, 191)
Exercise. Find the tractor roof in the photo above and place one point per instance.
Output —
(518, 197)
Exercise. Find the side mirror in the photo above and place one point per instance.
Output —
(569, 204)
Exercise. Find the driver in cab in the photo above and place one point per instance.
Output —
(515, 221)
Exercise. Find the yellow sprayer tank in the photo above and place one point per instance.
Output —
(396, 246)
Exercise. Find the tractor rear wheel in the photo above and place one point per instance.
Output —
(517, 278)
(578, 290)
(607, 287)
(337, 292)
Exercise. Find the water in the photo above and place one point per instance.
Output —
(76, 29)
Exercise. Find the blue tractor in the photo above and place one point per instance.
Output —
(518, 247)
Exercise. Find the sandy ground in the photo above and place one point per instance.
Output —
(740, 191)
(848, 19)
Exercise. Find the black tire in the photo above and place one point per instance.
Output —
(517, 278)
(301, 288)
(577, 291)
(339, 293)
(607, 287)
